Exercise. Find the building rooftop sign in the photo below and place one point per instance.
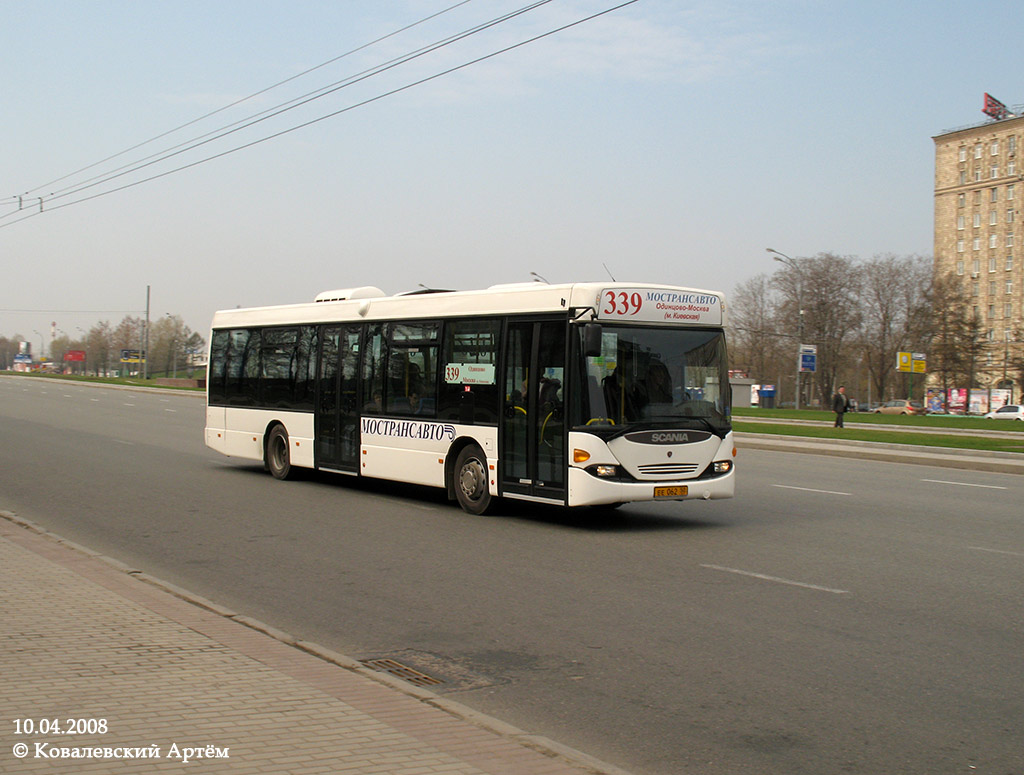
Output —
(995, 108)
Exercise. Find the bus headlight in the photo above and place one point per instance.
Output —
(723, 466)
(606, 471)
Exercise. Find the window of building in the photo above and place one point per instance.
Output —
(994, 150)
(1008, 310)
(1009, 262)
(959, 246)
(963, 153)
(1009, 216)
(977, 220)
(1011, 167)
(1011, 144)
(963, 177)
(992, 263)
(974, 292)
(975, 266)
(993, 242)
(1009, 191)
(1009, 239)
(993, 195)
(977, 174)
(977, 243)
(1009, 287)
(961, 200)
(959, 267)
(991, 292)
(977, 151)
(960, 222)
(993, 217)
(993, 171)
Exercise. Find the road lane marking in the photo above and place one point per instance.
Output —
(809, 489)
(966, 484)
(777, 580)
(996, 551)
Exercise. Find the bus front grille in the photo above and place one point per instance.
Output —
(667, 469)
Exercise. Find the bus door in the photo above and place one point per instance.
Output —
(533, 421)
(337, 409)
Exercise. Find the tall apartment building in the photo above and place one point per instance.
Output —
(979, 232)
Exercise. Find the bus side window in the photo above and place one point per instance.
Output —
(373, 371)
(218, 366)
(412, 349)
(469, 391)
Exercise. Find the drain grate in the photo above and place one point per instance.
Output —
(399, 670)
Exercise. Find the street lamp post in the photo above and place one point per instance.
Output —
(85, 347)
(782, 258)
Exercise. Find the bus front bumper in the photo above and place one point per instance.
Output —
(588, 490)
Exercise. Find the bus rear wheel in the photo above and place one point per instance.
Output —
(471, 487)
(278, 456)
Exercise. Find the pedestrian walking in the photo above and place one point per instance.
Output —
(840, 405)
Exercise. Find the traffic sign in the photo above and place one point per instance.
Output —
(808, 358)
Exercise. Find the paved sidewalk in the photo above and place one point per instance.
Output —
(86, 645)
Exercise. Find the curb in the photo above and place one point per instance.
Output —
(540, 744)
(943, 457)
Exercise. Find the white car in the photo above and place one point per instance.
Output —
(1008, 412)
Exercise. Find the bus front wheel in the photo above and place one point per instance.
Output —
(278, 454)
(471, 488)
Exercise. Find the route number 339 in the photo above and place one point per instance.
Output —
(621, 303)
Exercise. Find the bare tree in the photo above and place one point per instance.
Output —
(957, 341)
(127, 335)
(820, 298)
(98, 346)
(755, 342)
(896, 313)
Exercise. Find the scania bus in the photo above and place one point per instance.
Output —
(580, 394)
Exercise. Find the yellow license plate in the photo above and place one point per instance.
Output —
(671, 492)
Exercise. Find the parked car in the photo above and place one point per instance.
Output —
(1008, 412)
(901, 406)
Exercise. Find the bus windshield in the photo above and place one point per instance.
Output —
(656, 377)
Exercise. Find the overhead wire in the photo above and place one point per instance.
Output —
(242, 100)
(281, 108)
(269, 113)
(332, 114)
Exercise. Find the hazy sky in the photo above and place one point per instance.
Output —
(672, 141)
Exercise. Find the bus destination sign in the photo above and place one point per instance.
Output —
(654, 305)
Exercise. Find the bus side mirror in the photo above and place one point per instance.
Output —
(592, 340)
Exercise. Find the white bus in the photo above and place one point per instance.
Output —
(581, 394)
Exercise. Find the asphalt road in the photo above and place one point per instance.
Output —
(836, 616)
